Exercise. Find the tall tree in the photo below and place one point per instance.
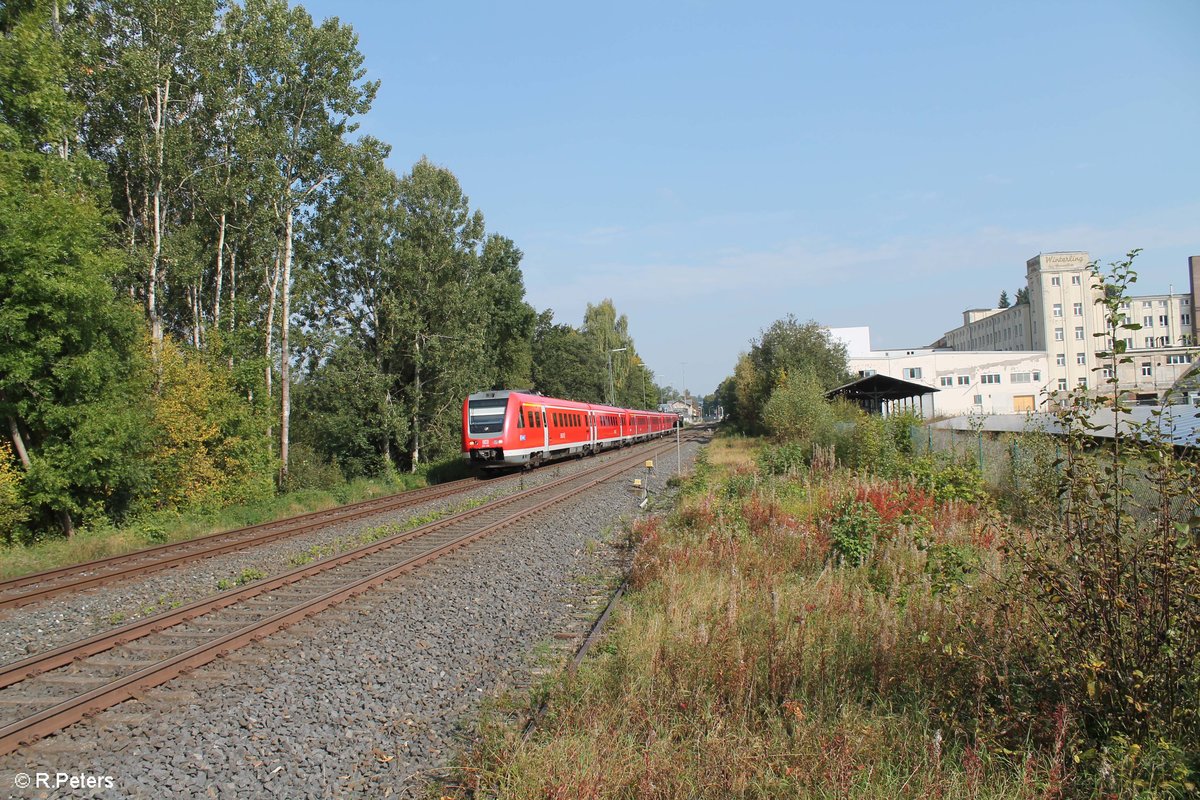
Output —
(440, 313)
(510, 320)
(142, 65)
(1003, 302)
(566, 364)
(304, 84)
(786, 348)
(350, 298)
(69, 399)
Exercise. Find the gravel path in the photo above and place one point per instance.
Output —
(43, 626)
(364, 700)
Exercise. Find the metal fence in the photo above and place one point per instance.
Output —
(1017, 463)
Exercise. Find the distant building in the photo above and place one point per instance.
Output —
(686, 408)
(1019, 358)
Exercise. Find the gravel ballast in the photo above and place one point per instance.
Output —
(39, 627)
(363, 700)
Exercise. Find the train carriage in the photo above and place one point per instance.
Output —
(506, 428)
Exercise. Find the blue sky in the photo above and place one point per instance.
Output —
(713, 167)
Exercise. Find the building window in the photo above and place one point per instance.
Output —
(1058, 309)
(1081, 358)
(1128, 342)
(1055, 280)
(1106, 372)
(866, 373)
(1061, 359)
(1147, 304)
(1185, 319)
(1037, 375)
(964, 380)
(1058, 334)
(912, 372)
(1078, 309)
(978, 399)
(946, 380)
(1178, 358)
(1074, 280)
(1147, 369)
(1083, 382)
(1062, 384)
(1164, 320)
(1079, 333)
(1162, 303)
(1149, 341)
(990, 377)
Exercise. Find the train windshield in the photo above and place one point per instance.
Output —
(486, 416)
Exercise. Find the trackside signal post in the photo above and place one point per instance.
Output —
(678, 457)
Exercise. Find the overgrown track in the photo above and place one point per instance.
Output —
(50, 691)
(42, 585)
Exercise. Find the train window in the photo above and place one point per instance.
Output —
(520, 420)
(485, 416)
(543, 422)
(530, 413)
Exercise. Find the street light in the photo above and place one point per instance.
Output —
(612, 394)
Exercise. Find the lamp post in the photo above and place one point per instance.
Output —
(612, 394)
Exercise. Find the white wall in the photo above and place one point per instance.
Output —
(967, 371)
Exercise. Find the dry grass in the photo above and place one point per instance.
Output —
(728, 452)
(750, 661)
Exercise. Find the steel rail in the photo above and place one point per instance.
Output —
(72, 710)
(16, 671)
(165, 556)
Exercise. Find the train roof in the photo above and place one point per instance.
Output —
(503, 394)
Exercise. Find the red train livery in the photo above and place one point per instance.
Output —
(507, 428)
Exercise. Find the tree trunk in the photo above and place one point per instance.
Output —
(161, 96)
(232, 289)
(64, 517)
(18, 443)
(68, 526)
(272, 290)
(284, 382)
(220, 279)
(194, 291)
(416, 415)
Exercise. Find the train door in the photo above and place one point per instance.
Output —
(545, 431)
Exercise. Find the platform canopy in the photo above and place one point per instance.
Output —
(877, 394)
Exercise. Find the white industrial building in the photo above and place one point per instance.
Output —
(1021, 358)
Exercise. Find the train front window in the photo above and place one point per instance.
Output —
(486, 416)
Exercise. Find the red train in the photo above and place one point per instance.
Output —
(506, 428)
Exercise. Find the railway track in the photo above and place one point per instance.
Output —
(49, 691)
(42, 585)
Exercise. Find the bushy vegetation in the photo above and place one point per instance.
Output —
(213, 289)
(835, 616)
